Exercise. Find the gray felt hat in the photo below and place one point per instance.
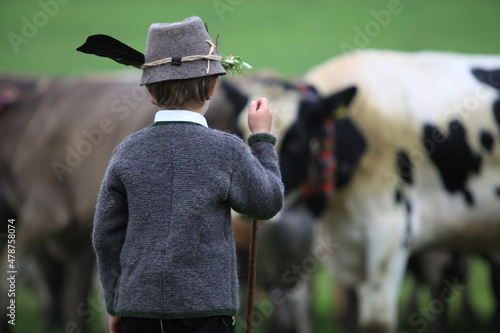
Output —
(181, 50)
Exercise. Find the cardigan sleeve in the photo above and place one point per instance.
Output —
(256, 188)
(108, 234)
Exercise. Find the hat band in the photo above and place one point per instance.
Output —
(177, 61)
(182, 59)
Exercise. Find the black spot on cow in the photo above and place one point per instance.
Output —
(398, 196)
(401, 199)
(452, 156)
(408, 231)
(293, 156)
(238, 101)
(496, 112)
(486, 140)
(489, 77)
(469, 199)
(234, 95)
(404, 167)
(497, 191)
(350, 146)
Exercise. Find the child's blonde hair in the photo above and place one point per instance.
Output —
(178, 94)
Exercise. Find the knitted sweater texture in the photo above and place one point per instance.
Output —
(162, 228)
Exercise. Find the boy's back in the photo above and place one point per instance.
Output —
(162, 228)
(178, 243)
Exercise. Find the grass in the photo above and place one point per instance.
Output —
(40, 37)
(27, 317)
(289, 36)
(325, 304)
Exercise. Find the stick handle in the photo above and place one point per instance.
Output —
(252, 270)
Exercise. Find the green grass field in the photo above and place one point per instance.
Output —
(40, 37)
(324, 295)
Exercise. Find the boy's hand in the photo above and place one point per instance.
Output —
(114, 324)
(260, 117)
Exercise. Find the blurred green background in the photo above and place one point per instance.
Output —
(40, 37)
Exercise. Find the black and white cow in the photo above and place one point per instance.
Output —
(418, 166)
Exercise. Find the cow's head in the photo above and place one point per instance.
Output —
(284, 99)
(295, 151)
(298, 149)
(298, 115)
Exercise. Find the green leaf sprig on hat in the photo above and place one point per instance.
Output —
(234, 64)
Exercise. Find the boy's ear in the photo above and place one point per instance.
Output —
(212, 89)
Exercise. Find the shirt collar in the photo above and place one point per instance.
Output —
(180, 115)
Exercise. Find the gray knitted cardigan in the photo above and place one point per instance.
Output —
(162, 227)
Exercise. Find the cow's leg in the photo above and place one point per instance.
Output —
(293, 309)
(49, 282)
(64, 262)
(80, 308)
(350, 323)
(346, 312)
(36, 222)
(378, 293)
(301, 300)
(63, 285)
(435, 269)
(282, 319)
(454, 271)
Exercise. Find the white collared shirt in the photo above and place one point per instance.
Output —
(180, 115)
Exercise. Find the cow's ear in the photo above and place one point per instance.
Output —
(339, 99)
(237, 98)
(490, 77)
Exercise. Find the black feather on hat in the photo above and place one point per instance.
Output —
(109, 47)
(174, 51)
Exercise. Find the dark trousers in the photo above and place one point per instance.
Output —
(194, 325)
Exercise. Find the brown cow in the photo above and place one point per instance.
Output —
(52, 186)
(56, 138)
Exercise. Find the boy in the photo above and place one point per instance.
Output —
(162, 227)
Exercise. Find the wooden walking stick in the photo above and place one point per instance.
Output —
(252, 270)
